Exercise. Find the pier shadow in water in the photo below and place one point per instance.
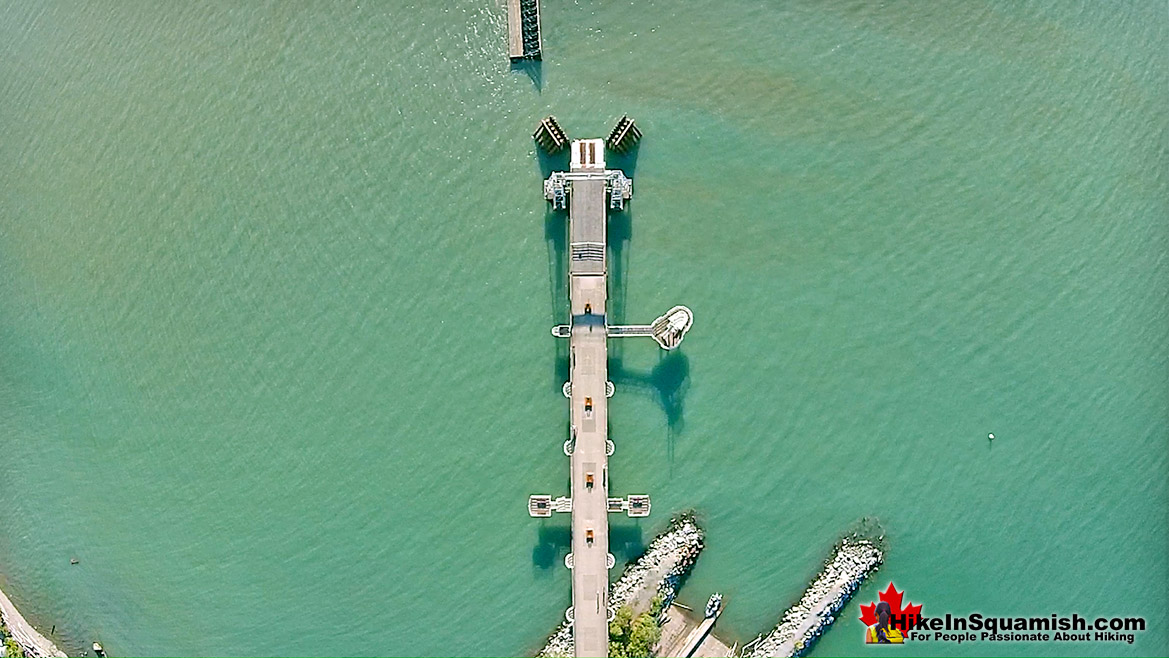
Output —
(620, 235)
(550, 162)
(626, 162)
(626, 541)
(556, 237)
(533, 68)
(560, 366)
(553, 540)
(620, 232)
(667, 382)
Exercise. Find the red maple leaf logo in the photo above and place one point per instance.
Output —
(893, 598)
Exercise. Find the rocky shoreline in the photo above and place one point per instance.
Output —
(659, 571)
(30, 640)
(670, 556)
(799, 628)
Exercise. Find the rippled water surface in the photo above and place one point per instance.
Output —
(276, 281)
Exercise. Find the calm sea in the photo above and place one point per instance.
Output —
(276, 284)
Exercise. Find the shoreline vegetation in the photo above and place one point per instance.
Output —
(633, 635)
(19, 637)
(648, 586)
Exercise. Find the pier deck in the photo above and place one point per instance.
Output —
(588, 293)
(588, 191)
(523, 29)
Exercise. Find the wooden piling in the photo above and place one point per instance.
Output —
(549, 135)
(624, 136)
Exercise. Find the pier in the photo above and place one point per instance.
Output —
(523, 29)
(588, 191)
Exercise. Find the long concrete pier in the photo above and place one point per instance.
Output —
(588, 191)
(588, 292)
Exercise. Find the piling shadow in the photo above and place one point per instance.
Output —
(533, 68)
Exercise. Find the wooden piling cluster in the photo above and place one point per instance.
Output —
(549, 135)
(624, 136)
(523, 29)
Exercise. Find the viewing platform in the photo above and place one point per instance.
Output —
(668, 330)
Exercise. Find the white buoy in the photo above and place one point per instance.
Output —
(990, 436)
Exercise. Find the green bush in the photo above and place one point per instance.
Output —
(644, 636)
(631, 637)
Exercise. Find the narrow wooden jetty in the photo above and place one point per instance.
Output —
(625, 135)
(523, 29)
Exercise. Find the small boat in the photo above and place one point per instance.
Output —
(714, 605)
(74, 560)
(98, 651)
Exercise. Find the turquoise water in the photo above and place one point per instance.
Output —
(278, 279)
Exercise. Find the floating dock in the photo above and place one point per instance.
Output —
(523, 29)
